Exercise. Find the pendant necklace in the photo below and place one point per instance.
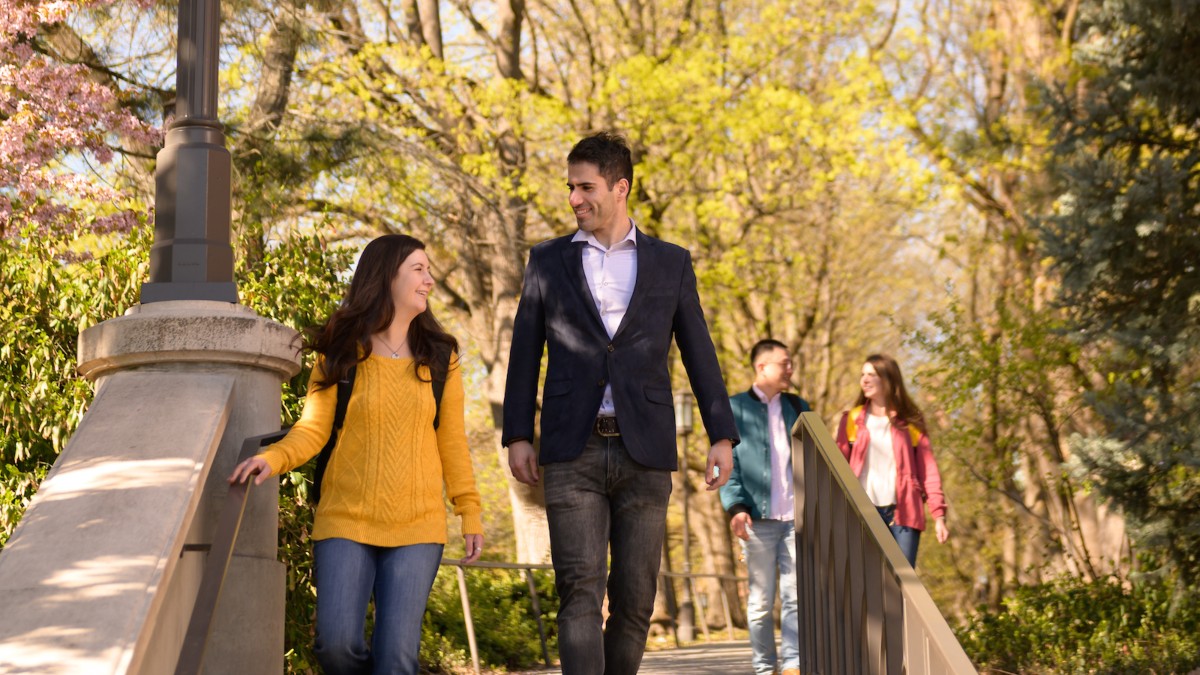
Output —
(395, 352)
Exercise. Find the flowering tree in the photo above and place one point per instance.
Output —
(55, 118)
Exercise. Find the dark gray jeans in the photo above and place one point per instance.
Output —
(601, 500)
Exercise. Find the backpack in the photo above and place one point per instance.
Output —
(852, 427)
(344, 388)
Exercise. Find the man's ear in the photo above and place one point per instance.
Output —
(623, 188)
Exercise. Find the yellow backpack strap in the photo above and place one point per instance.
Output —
(852, 423)
(915, 434)
(852, 427)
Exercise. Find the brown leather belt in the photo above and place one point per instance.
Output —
(607, 427)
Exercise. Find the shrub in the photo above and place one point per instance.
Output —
(1074, 626)
(506, 630)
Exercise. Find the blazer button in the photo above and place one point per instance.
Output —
(611, 348)
(601, 382)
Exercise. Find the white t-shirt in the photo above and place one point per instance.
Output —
(878, 476)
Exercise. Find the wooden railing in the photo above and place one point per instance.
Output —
(862, 607)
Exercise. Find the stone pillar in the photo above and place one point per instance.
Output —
(194, 337)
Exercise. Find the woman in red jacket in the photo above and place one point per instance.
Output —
(885, 439)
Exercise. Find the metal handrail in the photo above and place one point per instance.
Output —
(528, 569)
(464, 596)
(690, 580)
(229, 523)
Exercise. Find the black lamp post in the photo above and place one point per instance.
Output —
(683, 427)
(192, 258)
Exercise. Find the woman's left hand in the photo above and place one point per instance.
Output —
(474, 545)
(943, 532)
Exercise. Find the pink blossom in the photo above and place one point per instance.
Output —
(49, 113)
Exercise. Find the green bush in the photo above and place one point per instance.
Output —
(55, 285)
(506, 630)
(1074, 626)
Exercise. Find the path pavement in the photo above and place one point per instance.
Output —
(713, 658)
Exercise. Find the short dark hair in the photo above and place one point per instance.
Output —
(763, 346)
(609, 152)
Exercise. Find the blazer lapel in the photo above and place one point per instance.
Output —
(572, 258)
(646, 252)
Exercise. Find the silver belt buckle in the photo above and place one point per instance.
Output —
(607, 427)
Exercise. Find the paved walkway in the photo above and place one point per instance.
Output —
(724, 658)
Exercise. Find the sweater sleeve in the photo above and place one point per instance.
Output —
(308, 436)
(930, 477)
(457, 472)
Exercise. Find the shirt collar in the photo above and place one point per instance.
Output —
(758, 393)
(590, 239)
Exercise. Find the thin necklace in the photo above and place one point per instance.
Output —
(395, 352)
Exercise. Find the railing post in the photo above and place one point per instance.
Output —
(703, 609)
(537, 612)
(466, 605)
(728, 614)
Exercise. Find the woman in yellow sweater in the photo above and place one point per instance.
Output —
(380, 526)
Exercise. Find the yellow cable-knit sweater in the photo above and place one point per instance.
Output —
(383, 485)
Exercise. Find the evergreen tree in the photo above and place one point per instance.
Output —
(1125, 237)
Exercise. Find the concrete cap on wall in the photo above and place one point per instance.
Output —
(188, 331)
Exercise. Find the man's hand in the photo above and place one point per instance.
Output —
(720, 457)
(741, 526)
(943, 532)
(523, 462)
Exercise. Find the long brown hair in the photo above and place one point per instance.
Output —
(345, 339)
(895, 394)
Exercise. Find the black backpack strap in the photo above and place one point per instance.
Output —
(439, 386)
(345, 387)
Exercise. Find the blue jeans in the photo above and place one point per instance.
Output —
(347, 574)
(601, 500)
(770, 551)
(908, 537)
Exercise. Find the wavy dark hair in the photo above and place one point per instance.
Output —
(345, 339)
(894, 392)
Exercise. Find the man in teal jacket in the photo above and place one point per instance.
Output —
(761, 504)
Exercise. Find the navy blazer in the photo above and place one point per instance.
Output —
(557, 311)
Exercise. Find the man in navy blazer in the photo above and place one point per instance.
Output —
(605, 303)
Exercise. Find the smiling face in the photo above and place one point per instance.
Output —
(872, 385)
(411, 284)
(599, 209)
(773, 371)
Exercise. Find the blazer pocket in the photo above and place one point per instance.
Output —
(659, 395)
(556, 388)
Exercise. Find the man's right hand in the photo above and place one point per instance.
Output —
(741, 526)
(523, 462)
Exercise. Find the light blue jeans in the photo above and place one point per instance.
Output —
(347, 574)
(771, 550)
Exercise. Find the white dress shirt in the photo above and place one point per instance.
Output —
(611, 274)
(783, 497)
